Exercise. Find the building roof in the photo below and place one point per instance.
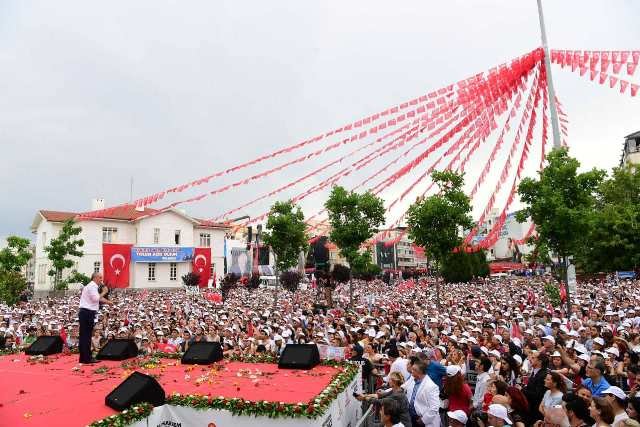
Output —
(633, 135)
(121, 213)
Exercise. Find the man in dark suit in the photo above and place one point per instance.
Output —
(535, 389)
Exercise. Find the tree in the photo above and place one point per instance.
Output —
(354, 218)
(286, 235)
(61, 249)
(290, 280)
(12, 284)
(16, 255)
(462, 266)
(437, 222)
(560, 202)
(191, 279)
(613, 242)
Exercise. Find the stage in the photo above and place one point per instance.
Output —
(57, 391)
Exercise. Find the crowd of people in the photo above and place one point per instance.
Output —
(491, 353)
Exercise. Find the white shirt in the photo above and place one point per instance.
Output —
(90, 297)
(399, 365)
(481, 388)
(427, 400)
(617, 421)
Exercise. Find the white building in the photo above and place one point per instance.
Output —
(504, 248)
(631, 150)
(140, 228)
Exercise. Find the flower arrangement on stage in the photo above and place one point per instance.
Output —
(128, 416)
(237, 406)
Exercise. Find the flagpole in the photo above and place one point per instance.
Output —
(552, 93)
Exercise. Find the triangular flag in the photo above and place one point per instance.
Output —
(624, 55)
(631, 68)
(583, 70)
(634, 89)
(612, 81)
(616, 67)
(593, 75)
(623, 85)
(603, 78)
(636, 56)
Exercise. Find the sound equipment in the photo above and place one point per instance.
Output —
(202, 353)
(118, 349)
(135, 389)
(299, 356)
(45, 345)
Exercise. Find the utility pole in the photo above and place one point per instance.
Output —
(552, 94)
(131, 190)
(554, 125)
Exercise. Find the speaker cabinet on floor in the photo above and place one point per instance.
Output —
(118, 349)
(45, 345)
(136, 388)
(202, 353)
(299, 356)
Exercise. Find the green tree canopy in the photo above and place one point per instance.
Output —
(354, 218)
(613, 241)
(286, 234)
(436, 223)
(560, 202)
(61, 249)
(15, 255)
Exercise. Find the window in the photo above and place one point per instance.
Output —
(205, 240)
(109, 234)
(44, 239)
(173, 271)
(42, 274)
(152, 272)
(176, 236)
(156, 236)
(96, 267)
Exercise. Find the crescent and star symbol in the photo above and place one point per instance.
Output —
(120, 257)
(195, 262)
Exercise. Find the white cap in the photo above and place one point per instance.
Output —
(452, 370)
(499, 411)
(598, 340)
(616, 391)
(613, 350)
(458, 415)
(517, 358)
(550, 338)
(277, 338)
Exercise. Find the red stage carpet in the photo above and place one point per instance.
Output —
(60, 394)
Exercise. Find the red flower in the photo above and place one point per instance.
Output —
(310, 409)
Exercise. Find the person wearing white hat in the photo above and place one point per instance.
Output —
(618, 400)
(457, 418)
(497, 416)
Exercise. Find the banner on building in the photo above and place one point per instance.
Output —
(161, 254)
(116, 260)
(202, 265)
(385, 256)
(240, 262)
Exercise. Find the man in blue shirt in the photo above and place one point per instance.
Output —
(596, 382)
(435, 370)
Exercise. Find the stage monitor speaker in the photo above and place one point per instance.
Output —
(135, 389)
(202, 353)
(299, 356)
(118, 349)
(45, 345)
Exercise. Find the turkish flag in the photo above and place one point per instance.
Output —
(116, 259)
(202, 265)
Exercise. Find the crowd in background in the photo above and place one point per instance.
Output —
(491, 353)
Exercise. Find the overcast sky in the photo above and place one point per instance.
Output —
(94, 93)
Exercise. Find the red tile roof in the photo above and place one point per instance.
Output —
(123, 213)
(210, 224)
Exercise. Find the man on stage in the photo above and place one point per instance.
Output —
(89, 304)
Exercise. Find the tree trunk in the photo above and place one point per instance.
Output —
(566, 284)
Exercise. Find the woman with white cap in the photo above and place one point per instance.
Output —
(457, 391)
(497, 416)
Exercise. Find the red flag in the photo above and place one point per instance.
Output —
(563, 292)
(116, 259)
(515, 330)
(623, 85)
(631, 68)
(202, 265)
(612, 81)
(634, 89)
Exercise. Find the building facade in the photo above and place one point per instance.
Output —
(140, 228)
(512, 230)
(631, 150)
(401, 255)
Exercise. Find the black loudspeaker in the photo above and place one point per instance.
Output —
(299, 356)
(118, 349)
(45, 345)
(135, 389)
(202, 353)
